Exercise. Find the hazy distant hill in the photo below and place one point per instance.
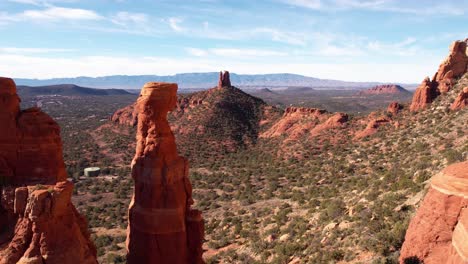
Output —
(67, 89)
(201, 80)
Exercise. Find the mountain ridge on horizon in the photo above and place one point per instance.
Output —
(205, 80)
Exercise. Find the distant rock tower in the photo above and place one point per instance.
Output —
(162, 227)
(224, 80)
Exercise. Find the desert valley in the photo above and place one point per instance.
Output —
(229, 166)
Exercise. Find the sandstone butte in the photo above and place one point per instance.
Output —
(384, 89)
(38, 222)
(438, 233)
(453, 67)
(162, 227)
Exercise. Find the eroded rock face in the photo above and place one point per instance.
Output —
(372, 126)
(39, 224)
(438, 233)
(424, 95)
(394, 108)
(224, 80)
(162, 226)
(461, 101)
(452, 68)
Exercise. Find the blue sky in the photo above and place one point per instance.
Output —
(354, 40)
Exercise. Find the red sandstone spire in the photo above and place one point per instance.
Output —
(162, 227)
(224, 80)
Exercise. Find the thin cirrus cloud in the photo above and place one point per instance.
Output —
(393, 6)
(233, 52)
(51, 14)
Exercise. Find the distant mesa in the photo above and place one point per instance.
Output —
(224, 79)
(68, 90)
(385, 89)
(452, 68)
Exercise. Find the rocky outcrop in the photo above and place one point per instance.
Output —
(162, 227)
(372, 126)
(39, 224)
(298, 122)
(224, 79)
(394, 108)
(125, 116)
(452, 68)
(424, 95)
(384, 89)
(438, 233)
(461, 101)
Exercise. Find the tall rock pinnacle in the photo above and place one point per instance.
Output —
(38, 222)
(224, 80)
(162, 227)
(453, 67)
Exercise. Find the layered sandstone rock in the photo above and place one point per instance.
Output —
(452, 68)
(224, 80)
(438, 233)
(384, 89)
(461, 101)
(424, 95)
(162, 226)
(394, 108)
(372, 126)
(38, 222)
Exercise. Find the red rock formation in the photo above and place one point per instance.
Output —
(335, 121)
(384, 89)
(453, 67)
(125, 116)
(224, 80)
(461, 101)
(438, 233)
(39, 224)
(394, 108)
(162, 227)
(424, 95)
(372, 127)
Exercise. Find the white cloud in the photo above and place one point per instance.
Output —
(60, 13)
(234, 52)
(451, 9)
(125, 18)
(196, 52)
(247, 53)
(312, 4)
(174, 23)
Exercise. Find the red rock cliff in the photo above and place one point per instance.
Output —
(162, 227)
(453, 67)
(38, 222)
(438, 233)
